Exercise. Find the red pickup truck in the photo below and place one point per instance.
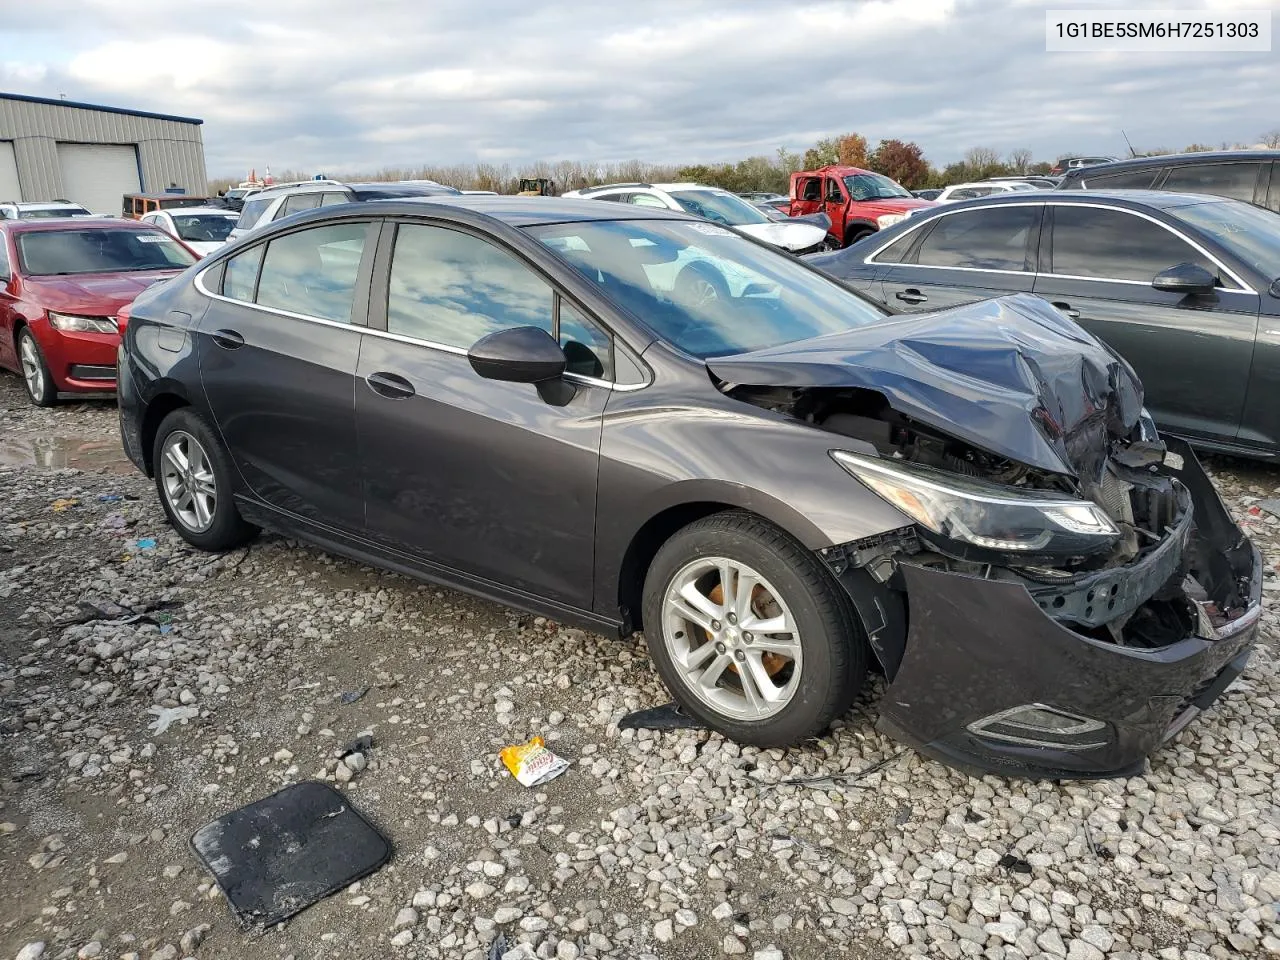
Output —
(858, 202)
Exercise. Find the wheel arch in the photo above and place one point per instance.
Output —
(698, 499)
(854, 227)
(158, 407)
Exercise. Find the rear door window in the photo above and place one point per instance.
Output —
(297, 203)
(1130, 180)
(313, 272)
(1234, 180)
(1103, 244)
(241, 274)
(993, 238)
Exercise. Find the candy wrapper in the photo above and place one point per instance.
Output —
(532, 763)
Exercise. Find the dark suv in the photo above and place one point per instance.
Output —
(1237, 174)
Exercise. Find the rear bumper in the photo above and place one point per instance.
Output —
(132, 412)
(979, 649)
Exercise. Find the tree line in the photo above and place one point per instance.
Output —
(903, 161)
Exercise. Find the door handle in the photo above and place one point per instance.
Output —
(390, 385)
(911, 295)
(1067, 309)
(227, 339)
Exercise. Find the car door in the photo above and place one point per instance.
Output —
(1236, 179)
(488, 478)
(1192, 352)
(278, 352)
(834, 201)
(808, 197)
(8, 345)
(964, 256)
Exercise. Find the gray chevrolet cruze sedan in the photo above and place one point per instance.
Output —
(631, 419)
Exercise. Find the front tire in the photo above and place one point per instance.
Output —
(750, 633)
(193, 477)
(35, 372)
(856, 235)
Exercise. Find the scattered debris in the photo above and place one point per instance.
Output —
(836, 781)
(361, 745)
(167, 716)
(532, 763)
(498, 947)
(64, 503)
(146, 543)
(109, 498)
(666, 717)
(351, 696)
(114, 521)
(1270, 506)
(277, 856)
(1014, 864)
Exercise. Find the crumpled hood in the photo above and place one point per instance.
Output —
(1011, 376)
(93, 294)
(796, 235)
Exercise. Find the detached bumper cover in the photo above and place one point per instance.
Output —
(978, 648)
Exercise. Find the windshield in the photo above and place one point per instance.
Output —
(52, 253)
(50, 213)
(719, 206)
(705, 289)
(203, 227)
(873, 186)
(1249, 232)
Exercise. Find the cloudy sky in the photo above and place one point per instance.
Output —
(345, 85)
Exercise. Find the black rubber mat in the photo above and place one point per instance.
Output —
(279, 855)
(666, 717)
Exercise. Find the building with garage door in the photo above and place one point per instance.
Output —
(92, 155)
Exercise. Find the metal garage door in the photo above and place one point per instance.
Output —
(10, 189)
(98, 175)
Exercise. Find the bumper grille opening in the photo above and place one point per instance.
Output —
(91, 371)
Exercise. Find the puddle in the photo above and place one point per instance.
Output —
(52, 453)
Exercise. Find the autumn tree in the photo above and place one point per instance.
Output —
(852, 150)
(903, 162)
(822, 154)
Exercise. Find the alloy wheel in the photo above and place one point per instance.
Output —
(32, 367)
(188, 482)
(732, 638)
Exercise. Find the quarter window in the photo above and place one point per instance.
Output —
(1132, 180)
(313, 272)
(241, 275)
(1234, 180)
(1113, 245)
(451, 288)
(994, 238)
(647, 200)
(587, 348)
(896, 252)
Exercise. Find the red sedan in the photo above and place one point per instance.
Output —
(61, 284)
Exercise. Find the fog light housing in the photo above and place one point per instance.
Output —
(1039, 725)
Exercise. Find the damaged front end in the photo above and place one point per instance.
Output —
(1071, 590)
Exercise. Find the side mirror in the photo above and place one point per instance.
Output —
(517, 355)
(1185, 278)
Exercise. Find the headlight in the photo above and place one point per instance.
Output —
(988, 516)
(889, 219)
(74, 324)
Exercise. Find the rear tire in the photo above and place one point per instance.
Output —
(773, 686)
(35, 372)
(193, 476)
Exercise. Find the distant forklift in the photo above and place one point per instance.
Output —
(537, 187)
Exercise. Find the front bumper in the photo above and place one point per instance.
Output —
(79, 362)
(979, 648)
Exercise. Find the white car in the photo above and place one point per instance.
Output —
(282, 199)
(716, 205)
(41, 211)
(967, 191)
(203, 229)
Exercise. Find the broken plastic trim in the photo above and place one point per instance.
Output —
(1039, 725)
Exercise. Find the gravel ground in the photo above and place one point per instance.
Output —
(673, 845)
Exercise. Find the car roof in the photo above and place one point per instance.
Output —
(166, 196)
(530, 211)
(76, 223)
(42, 204)
(835, 169)
(187, 211)
(1133, 198)
(1169, 159)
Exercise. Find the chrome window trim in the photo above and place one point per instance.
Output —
(1241, 286)
(398, 337)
